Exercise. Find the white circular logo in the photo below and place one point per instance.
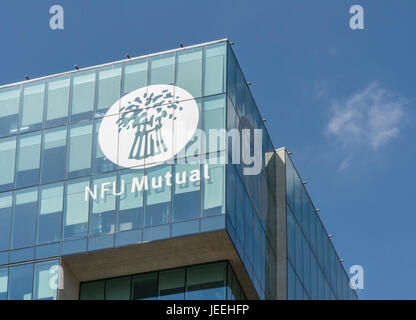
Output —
(148, 126)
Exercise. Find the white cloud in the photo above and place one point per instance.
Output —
(345, 163)
(369, 118)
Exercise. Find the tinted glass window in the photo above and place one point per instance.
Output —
(31, 115)
(162, 69)
(20, 282)
(24, 218)
(7, 163)
(5, 220)
(214, 78)
(58, 100)
(4, 274)
(28, 160)
(54, 155)
(135, 75)
(206, 282)
(145, 286)
(79, 150)
(187, 200)
(130, 211)
(158, 200)
(76, 209)
(189, 71)
(172, 284)
(103, 207)
(50, 213)
(9, 110)
(109, 88)
(82, 97)
(45, 272)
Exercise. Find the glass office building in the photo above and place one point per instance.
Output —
(76, 224)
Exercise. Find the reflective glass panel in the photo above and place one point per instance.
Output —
(130, 211)
(172, 284)
(158, 199)
(189, 71)
(135, 75)
(79, 150)
(20, 282)
(102, 218)
(82, 96)
(214, 77)
(24, 218)
(6, 200)
(53, 155)
(7, 163)
(162, 69)
(109, 88)
(58, 100)
(9, 110)
(187, 199)
(145, 286)
(206, 282)
(50, 213)
(45, 286)
(31, 115)
(76, 209)
(4, 274)
(28, 160)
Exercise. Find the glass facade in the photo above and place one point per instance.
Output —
(314, 270)
(50, 156)
(212, 281)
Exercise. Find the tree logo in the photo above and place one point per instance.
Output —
(148, 126)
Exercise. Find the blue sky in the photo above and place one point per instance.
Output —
(342, 100)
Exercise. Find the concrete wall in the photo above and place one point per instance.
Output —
(276, 173)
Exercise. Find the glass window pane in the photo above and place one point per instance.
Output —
(92, 290)
(187, 199)
(82, 97)
(53, 155)
(214, 188)
(214, 78)
(189, 72)
(130, 211)
(31, 115)
(231, 70)
(214, 119)
(9, 110)
(299, 253)
(109, 88)
(172, 284)
(20, 282)
(158, 200)
(76, 209)
(4, 274)
(145, 286)
(100, 162)
(50, 213)
(79, 150)
(241, 91)
(135, 75)
(24, 218)
(206, 282)
(118, 289)
(7, 163)
(45, 288)
(28, 160)
(162, 69)
(103, 207)
(58, 100)
(5, 220)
